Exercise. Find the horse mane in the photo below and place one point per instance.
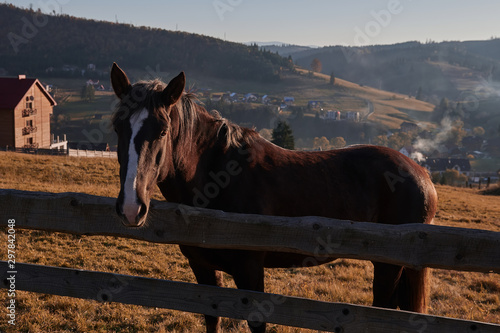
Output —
(147, 94)
(234, 135)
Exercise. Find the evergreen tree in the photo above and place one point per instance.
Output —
(88, 93)
(283, 136)
(441, 110)
(332, 79)
(419, 94)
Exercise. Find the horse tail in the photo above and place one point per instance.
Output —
(413, 289)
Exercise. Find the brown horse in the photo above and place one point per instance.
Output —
(197, 158)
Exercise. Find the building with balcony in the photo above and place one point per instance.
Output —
(25, 110)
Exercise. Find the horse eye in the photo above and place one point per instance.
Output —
(163, 133)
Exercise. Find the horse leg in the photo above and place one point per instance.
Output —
(210, 277)
(395, 286)
(249, 275)
(386, 278)
(414, 290)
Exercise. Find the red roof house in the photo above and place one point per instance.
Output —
(25, 110)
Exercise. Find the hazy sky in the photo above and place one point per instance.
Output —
(313, 22)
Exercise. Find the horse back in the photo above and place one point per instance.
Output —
(359, 183)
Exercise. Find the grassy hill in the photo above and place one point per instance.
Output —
(383, 110)
(472, 296)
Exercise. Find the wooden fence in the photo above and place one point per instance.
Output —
(410, 245)
(92, 153)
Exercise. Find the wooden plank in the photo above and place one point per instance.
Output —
(411, 245)
(231, 303)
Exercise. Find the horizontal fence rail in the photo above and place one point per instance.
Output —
(411, 245)
(231, 303)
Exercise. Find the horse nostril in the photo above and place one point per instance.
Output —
(143, 211)
(118, 208)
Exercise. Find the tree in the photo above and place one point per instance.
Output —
(457, 133)
(453, 177)
(338, 142)
(332, 79)
(441, 110)
(283, 136)
(321, 143)
(419, 94)
(266, 133)
(478, 131)
(316, 65)
(399, 140)
(381, 140)
(88, 93)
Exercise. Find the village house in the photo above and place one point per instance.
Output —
(440, 165)
(352, 116)
(25, 111)
(408, 151)
(289, 100)
(331, 115)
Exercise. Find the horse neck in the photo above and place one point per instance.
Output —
(189, 147)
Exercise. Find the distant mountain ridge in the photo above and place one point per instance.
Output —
(35, 42)
(406, 67)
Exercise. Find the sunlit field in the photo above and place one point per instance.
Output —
(474, 296)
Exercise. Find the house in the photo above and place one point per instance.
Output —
(314, 104)
(250, 98)
(353, 116)
(331, 115)
(442, 164)
(25, 110)
(216, 97)
(407, 151)
(289, 101)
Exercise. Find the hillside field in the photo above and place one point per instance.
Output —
(75, 117)
(474, 296)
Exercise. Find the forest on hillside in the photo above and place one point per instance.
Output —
(429, 68)
(37, 43)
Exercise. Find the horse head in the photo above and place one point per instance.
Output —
(144, 126)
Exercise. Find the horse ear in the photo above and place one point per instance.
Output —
(119, 81)
(173, 92)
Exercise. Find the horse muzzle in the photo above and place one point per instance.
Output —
(132, 215)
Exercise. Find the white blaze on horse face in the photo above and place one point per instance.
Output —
(130, 206)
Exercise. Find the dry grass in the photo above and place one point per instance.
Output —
(455, 294)
(390, 109)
